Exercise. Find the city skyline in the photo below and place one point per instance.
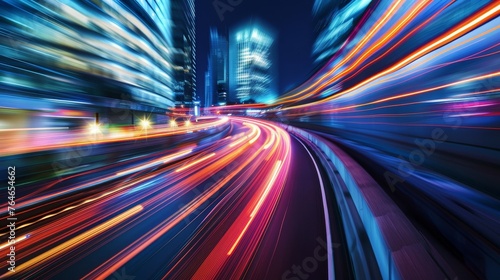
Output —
(291, 21)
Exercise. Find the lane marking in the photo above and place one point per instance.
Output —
(331, 274)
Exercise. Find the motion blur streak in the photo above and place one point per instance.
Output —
(414, 97)
(162, 160)
(66, 246)
(104, 206)
(397, 79)
(395, 150)
(267, 191)
(195, 162)
(79, 137)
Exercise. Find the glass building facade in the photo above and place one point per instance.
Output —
(217, 81)
(253, 74)
(184, 57)
(98, 57)
(91, 53)
(208, 100)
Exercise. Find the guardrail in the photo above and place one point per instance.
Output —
(400, 250)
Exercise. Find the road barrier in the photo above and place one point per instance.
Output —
(400, 250)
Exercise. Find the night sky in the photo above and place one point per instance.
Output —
(291, 20)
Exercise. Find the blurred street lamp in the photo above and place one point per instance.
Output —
(145, 124)
(173, 123)
(94, 128)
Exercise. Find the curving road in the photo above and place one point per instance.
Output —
(236, 199)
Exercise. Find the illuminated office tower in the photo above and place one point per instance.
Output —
(218, 69)
(208, 101)
(112, 58)
(253, 75)
(184, 49)
(334, 20)
(156, 14)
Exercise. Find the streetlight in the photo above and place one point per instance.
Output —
(173, 123)
(94, 128)
(145, 124)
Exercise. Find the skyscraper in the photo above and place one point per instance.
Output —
(218, 69)
(253, 75)
(184, 43)
(112, 58)
(209, 93)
